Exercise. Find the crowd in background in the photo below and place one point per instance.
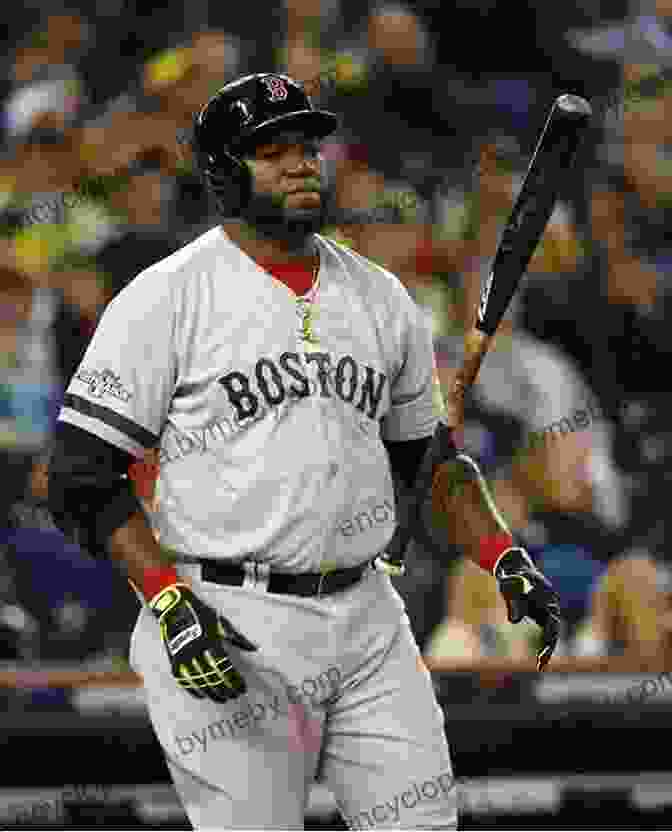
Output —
(440, 106)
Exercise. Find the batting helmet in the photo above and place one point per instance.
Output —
(242, 115)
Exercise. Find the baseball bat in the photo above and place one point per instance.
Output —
(552, 158)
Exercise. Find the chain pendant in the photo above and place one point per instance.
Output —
(305, 309)
(306, 331)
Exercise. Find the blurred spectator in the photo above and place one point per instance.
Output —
(637, 130)
(139, 233)
(385, 219)
(36, 255)
(28, 374)
(39, 176)
(131, 222)
(647, 135)
(630, 610)
(127, 33)
(530, 46)
(19, 631)
(396, 33)
(171, 84)
(180, 81)
(58, 41)
(47, 97)
(260, 29)
(384, 80)
(46, 103)
(646, 39)
(619, 286)
(45, 159)
(80, 606)
(476, 211)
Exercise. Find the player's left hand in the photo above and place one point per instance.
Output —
(195, 637)
(528, 593)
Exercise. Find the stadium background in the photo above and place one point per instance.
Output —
(441, 104)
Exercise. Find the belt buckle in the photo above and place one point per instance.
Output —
(326, 568)
(257, 575)
(323, 575)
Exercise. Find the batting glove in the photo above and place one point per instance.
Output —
(528, 593)
(194, 636)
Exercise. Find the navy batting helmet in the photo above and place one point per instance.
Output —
(240, 116)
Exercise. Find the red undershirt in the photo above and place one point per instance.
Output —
(296, 277)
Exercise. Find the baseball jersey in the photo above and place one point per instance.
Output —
(270, 433)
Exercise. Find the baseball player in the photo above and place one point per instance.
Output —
(284, 379)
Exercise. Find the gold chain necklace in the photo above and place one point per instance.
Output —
(306, 309)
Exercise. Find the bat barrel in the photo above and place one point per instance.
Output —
(551, 160)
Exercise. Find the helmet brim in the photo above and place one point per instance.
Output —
(314, 124)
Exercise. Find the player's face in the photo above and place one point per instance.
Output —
(288, 197)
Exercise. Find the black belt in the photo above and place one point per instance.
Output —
(304, 584)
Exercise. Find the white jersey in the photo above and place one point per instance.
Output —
(270, 446)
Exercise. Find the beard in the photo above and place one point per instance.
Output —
(271, 217)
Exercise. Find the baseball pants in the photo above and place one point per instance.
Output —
(337, 693)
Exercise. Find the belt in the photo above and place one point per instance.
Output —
(259, 575)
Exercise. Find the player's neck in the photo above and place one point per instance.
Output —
(269, 249)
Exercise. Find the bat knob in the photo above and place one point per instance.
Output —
(574, 104)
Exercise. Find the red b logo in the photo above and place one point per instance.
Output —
(277, 89)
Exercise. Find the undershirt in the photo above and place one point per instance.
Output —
(295, 276)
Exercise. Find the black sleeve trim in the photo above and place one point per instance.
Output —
(110, 417)
(406, 458)
(90, 495)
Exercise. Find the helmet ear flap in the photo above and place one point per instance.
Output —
(225, 176)
(229, 182)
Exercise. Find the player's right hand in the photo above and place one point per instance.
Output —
(195, 638)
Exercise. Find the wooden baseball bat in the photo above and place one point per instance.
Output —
(552, 158)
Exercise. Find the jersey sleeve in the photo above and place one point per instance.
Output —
(415, 409)
(122, 389)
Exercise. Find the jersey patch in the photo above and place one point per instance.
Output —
(102, 383)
